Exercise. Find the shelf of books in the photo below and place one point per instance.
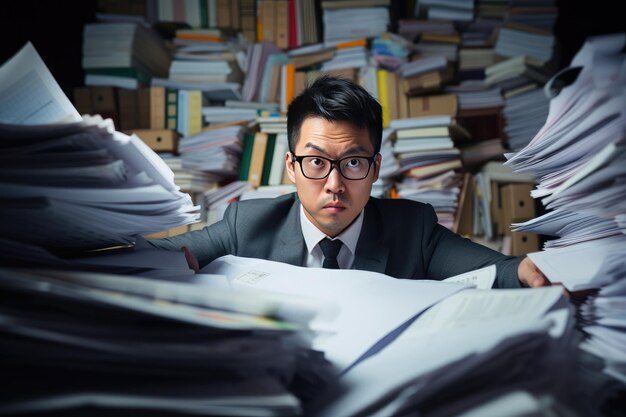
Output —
(207, 83)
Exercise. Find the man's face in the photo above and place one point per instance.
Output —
(334, 202)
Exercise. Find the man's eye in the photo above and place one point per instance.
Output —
(317, 161)
(353, 163)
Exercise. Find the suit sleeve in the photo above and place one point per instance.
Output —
(206, 244)
(448, 254)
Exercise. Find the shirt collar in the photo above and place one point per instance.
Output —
(313, 235)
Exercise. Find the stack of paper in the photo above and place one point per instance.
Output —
(215, 151)
(342, 24)
(123, 344)
(216, 201)
(124, 50)
(579, 156)
(388, 168)
(425, 150)
(468, 349)
(73, 183)
(525, 112)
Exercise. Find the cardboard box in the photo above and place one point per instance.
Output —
(523, 243)
(516, 204)
(159, 140)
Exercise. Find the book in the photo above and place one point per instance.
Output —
(192, 114)
(171, 108)
(269, 158)
(421, 132)
(383, 95)
(278, 159)
(273, 60)
(112, 81)
(306, 60)
(422, 144)
(432, 169)
(124, 45)
(477, 153)
(246, 155)
(287, 84)
(157, 107)
(257, 158)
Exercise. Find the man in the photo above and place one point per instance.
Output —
(335, 131)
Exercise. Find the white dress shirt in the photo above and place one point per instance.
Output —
(313, 235)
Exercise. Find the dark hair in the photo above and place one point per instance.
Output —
(336, 99)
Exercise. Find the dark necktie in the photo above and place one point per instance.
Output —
(330, 248)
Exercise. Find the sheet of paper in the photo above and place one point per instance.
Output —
(473, 306)
(575, 266)
(482, 279)
(370, 305)
(402, 364)
(30, 95)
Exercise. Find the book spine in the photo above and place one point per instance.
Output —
(171, 108)
(383, 95)
(257, 158)
(246, 155)
(157, 107)
(182, 112)
(269, 158)
(194, 112)
(203, 5)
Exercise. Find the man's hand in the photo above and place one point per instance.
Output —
(191, 260)
(530, 276)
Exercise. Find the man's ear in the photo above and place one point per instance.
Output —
(379, 159)
(289, 166)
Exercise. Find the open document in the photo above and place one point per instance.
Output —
(30, 94)
(368, 306)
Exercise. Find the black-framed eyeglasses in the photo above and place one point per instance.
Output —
(351, 167)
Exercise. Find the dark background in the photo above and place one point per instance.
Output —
(55, 29)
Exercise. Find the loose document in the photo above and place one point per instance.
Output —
(361, 307)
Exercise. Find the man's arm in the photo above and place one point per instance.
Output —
(205, 245)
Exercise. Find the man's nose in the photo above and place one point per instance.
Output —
(335, 181)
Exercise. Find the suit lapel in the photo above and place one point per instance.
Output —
(290, 246)
(371, 255)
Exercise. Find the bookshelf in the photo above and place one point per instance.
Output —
(49, 25)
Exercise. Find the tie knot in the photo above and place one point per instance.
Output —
(330, 249)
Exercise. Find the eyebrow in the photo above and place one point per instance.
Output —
(351, 151)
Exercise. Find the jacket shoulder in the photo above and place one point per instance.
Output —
(399, 205)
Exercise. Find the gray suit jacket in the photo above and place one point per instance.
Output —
(400, 238)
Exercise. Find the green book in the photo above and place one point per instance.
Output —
(128, 72)
(269, 155)
(171, 109)
(246, 156)
(204, 13)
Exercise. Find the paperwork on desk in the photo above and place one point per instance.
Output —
(459, 354)
(579, 157)
(71, 182)
(125, 343)
(368, 305)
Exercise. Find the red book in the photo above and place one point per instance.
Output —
(293, 25)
